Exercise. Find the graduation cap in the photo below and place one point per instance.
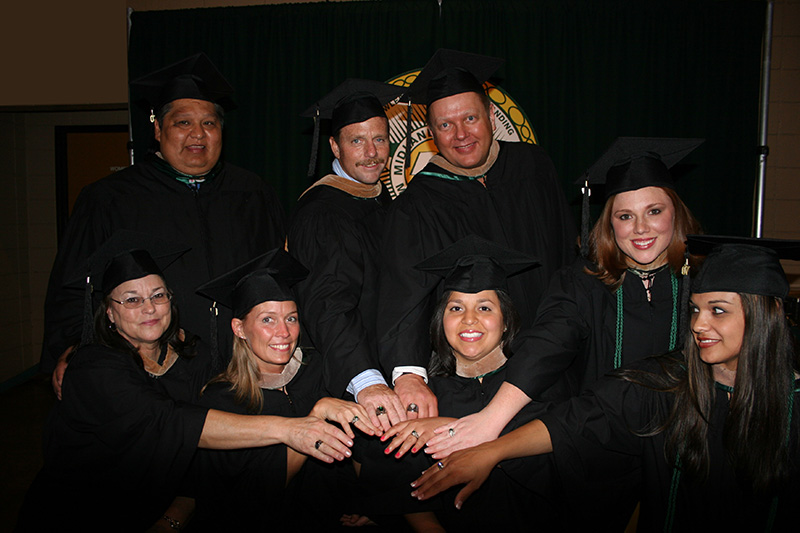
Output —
(194, 77)
(742, 264)
(632, 163)
(450, 72)
(268, 277)
(447, 73)
(353, 101)
(474, 264)
(126, 255)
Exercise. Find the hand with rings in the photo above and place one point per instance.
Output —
(383, 406)
(468, 467)
(346, 414)
(411, 435)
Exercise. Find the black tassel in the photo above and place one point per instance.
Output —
(587, 192)
(87, 333)
(312, 163)
(408, 135)
(686, 283)
(215, 358)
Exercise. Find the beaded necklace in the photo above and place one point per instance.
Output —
(673, 330)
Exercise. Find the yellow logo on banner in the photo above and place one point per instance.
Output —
(512, 125)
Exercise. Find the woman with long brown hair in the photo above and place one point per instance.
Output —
(715, 427)
(620, 304)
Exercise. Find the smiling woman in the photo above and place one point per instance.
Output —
(269, 374)
(716, 427)
(620, 304)
(471, 327)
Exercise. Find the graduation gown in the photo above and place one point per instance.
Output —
(572, 342)
(335, 234)
(570, 346)
(245, 490)
(232, 218)
(609, 414)
(516, 494)
(507, 500)
(522, 207)
(116, 447)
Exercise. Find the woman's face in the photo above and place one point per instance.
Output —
(718, 327)
(143, 325)
(643, 221)
(473, 324)
(271, 329)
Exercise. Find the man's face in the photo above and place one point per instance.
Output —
(462, 129)
(363, 149)
(190, 136)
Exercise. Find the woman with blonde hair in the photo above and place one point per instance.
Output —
(269, 374)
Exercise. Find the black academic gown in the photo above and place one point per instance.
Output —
(570, 347)
(335, 235)
(234, 217)
(608, 414)
(522, 207)
(245, 490)
(116, 447)
(516, 495)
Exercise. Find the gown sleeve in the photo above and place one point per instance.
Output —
(332, 250)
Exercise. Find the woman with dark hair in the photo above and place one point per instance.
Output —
(269, 374)
(473, 323)
(620, 304)
(716, 427)
(119, 443)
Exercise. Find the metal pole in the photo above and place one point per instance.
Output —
(130, 122)
(763, 149)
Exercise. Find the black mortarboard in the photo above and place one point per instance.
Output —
(632, 163)
(450, 72)
(474, 264)
(353, 101)
(268, 277)
(742, 264)
(194, 77)
(126, 255)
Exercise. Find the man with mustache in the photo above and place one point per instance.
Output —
(505, 192)
(335, 232)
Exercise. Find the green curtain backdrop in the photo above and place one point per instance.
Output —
(585, 71)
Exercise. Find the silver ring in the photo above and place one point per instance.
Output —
(452, 432)
(318, 444)
(414, 433)
(413, 408)
(440, 465)
(380, 410)
(354, 420)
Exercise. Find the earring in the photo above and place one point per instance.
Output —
(112, 326)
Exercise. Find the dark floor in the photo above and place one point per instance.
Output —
(23, 410)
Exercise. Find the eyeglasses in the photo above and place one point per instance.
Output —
(135, 302)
